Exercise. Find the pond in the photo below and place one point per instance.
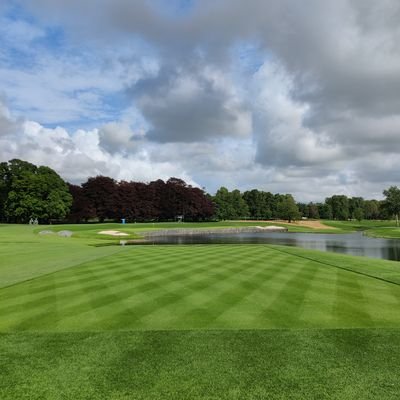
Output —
(353, 243)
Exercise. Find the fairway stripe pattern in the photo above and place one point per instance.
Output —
(198, 287)
(337, 266)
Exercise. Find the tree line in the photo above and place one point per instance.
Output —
(28, 191)
(103, 198)
(256, 204)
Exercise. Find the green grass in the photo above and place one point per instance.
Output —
(231, 365)
(26, 255)
(193, 322)
(383, 229)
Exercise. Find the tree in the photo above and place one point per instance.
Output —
(358, 214)
(356, 203)
(230, 205)
(4, 188)
(35, 192)
(101, 191)
(371, 209)
(324, 211)
(340, 207)
(312, 211)
(223, 203)
(81, 209)
(287, 208)
(257, 203)
(392, 202)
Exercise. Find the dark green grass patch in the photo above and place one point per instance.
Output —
(274, 364)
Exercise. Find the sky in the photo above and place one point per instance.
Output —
(280, 95)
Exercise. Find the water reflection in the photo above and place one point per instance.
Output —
(355, 243)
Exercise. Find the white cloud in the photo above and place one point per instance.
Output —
(312, 109)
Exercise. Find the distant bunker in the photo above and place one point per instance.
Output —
(113, 233)
(212, 231)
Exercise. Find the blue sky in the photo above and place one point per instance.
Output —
(277, 95)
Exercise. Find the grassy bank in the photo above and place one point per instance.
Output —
(383, 229)
(193, 322)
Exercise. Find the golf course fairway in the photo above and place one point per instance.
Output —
(193, 322)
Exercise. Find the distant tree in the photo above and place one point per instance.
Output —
(175, 201)
(303, 209)
(354, 204)
(127, 200)
(222, 200)
(340, 207)
(35, 192)
(257, 203)
(101, 191)
(230, 205)
(312, 211)
(358, 214)
(371, 209)
(150, 200)
(325, 211)
(81, 209)
(287, 208)
(392, 202)
(276, 203)
(200, 207)
(241, 210)
(5, 183)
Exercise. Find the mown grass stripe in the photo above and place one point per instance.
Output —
(199, 287)
(337, 266)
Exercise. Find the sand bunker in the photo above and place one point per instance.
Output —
(311, 224)
(272, 228)
(113, 233)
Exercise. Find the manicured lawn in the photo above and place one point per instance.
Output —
(229, 364)
(193, 322)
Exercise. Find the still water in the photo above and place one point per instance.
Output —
(354, 243)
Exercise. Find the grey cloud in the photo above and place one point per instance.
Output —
(191, 106)
(344, 55)
(8, 124)
(117, 137)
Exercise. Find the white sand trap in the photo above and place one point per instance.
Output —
(113, 233)
(272, 228)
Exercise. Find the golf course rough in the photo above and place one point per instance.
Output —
(194, 322)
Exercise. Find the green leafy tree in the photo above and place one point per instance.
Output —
(257, 203)
(239, 206)
(313, 211)
(4, 188)
(356, 203)
(392, 202)
(371, 209)
(287, 208)
(223, 203)
(230, 205)
(325, 211)
(340, 207)
(35, 192)
(358, 214)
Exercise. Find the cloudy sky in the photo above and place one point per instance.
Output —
(281, 95)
